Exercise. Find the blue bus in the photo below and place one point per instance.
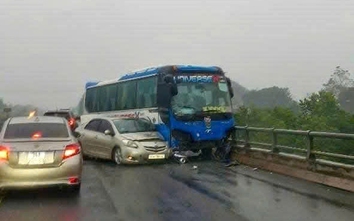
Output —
(190, 105)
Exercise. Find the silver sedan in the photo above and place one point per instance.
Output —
(39, 151)
(123, 140)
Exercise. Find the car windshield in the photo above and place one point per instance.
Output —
(133, 125)
(201, 97)
(36, 130)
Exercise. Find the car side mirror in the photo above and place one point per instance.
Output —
(108, 133)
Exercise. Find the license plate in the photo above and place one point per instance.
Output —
(36, 158)
(156, 156)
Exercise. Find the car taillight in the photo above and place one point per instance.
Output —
(71, 150)
(4, 153)
(37, 135)
(71, 122)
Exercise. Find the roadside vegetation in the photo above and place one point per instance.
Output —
(329, 110)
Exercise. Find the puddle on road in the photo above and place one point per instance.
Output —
(196, 184)
(249, 178)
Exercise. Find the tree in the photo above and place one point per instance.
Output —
(239, 92)
(270, 98)
(339, 80)
(322, 112)
(2, 105)
(278, 117)
(321, 103)
(346, 99)
(79, 110)
(3, 115)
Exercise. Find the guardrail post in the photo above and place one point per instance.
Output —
(247, 138)
(310, 157)
(275, 148)
(234, 137)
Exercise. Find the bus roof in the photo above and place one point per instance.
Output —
(91, 84)
(151, 71)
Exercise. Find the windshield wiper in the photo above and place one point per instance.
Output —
(202, 113)
(210, 111)
(207, 112)
(187, 107)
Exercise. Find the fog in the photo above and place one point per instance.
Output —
(49, 49)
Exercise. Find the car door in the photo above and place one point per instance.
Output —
(88, 137)
(105, 143)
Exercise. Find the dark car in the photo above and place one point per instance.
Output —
(65, 113)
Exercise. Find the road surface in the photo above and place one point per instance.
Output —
(173, 191)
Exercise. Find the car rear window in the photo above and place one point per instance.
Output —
(56, 114)
(36, 130)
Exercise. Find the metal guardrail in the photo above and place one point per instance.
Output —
(274, 147)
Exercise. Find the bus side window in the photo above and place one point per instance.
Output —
(120, 98)
(146, 93)
(116, 99)
(102, 98)
(127, 95)
(91, 99)
(111, 100)
(131, 95)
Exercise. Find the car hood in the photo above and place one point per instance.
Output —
(142, 136)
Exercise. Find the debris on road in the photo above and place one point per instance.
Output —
(232, 163)
(182, 156)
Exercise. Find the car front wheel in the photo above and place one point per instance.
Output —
(117, 155)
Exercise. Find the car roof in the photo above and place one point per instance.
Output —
(58, 111)
(36, 119)
(124, 118)
(113, 118)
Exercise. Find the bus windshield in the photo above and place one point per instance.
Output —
(201, 98)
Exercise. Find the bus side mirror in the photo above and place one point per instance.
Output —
(169, 82)
(231, 91)
(173, 90)
(164, 95)
(229, 85)
(168, 79)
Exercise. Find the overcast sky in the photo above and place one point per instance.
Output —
(49, 49)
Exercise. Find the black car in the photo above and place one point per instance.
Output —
(65, 113)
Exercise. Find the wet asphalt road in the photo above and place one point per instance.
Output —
(178, 192)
